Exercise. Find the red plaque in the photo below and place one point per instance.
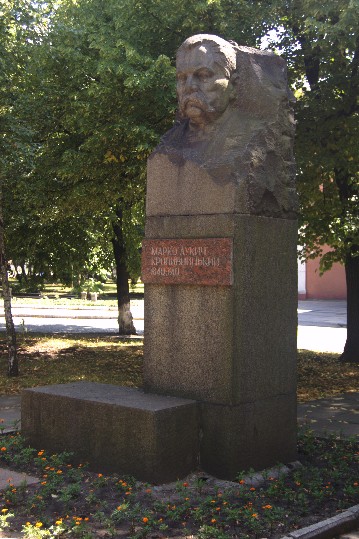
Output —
(187, 261)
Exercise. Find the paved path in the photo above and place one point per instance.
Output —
(70, 319)
(322, 324)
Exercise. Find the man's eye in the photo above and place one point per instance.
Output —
(181, 78)
(203, 75)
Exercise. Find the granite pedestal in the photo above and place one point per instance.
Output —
(114, 429)
(232, 348)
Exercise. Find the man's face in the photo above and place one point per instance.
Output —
(203, 86)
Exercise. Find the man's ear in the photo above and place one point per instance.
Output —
(233, 86)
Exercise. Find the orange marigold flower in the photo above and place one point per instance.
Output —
(145, 520)
(355, 484)
(148, 490)
(267, 506)
(40, 453)
(252, 489)
(185, 484)
(213, 520)
(86, 519)
(255, 515)
(59, 472)
(43, 482)
(58, 522)
(3, 449)
(5, 510)
(218, 508)
(100, 475)
(241, 482)
(38, 524)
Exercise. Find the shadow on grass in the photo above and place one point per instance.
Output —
(58, 359)
(45, 360)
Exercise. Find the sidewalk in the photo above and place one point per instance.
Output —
(322, 325)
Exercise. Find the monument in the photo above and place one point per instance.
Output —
(219, 267)
(219, 258)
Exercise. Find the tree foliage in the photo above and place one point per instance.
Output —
(99, 92)
(321, 43)
(96, 90)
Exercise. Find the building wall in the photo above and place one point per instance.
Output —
(330, 285)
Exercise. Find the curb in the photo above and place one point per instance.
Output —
(329, 528)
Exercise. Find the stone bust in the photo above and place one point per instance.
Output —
(206, 70)
(233, 137)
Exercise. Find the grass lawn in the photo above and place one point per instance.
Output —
(60, 359)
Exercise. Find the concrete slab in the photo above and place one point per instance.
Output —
(336, 415)
(9, 477)
(10, 410)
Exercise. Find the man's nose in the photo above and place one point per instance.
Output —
(191, 83)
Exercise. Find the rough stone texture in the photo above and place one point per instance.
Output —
(115, 429)
(250, 435)
(242, 161)
(226, 345)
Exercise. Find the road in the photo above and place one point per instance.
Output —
(322, 324)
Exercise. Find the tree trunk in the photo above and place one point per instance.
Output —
(351, 349)
(125, 321)
(13, 365)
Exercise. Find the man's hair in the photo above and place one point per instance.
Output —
(225, 53)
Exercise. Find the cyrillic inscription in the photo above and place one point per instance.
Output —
(187, 261)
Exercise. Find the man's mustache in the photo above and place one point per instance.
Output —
(196, 100)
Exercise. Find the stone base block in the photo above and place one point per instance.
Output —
(254, 435)
(115, 429)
